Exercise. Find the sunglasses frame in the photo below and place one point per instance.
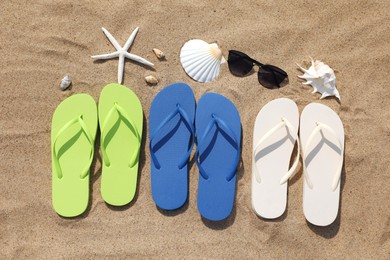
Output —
(265, 67)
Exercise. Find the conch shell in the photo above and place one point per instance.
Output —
(321, 77)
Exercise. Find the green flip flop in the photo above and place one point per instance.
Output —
(121, 121)
(73, 132)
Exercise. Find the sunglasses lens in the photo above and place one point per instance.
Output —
(239, 63)
(270, 76)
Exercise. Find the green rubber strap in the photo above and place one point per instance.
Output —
(65, 127)
(122, 114)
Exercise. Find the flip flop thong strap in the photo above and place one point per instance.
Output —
(122, 115)
(187, 122)
(319, 128)
(62, 130)
(220, 126)
(284, 123)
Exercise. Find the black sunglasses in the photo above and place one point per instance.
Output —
(269, 76)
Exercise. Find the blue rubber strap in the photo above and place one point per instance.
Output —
(65, 127)
(221, 125)
(122, 114)
(187, 121)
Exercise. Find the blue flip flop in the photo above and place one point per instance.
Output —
(218, 132)
(172, 134)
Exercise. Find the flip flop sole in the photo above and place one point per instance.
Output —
(119, 179)
(70, 192)
(269, 197)
(170, 183)
(216, 194)
(321, 203)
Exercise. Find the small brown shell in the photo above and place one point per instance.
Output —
(159, 53)
(151, 80)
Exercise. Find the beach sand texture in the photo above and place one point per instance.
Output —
(42, 41)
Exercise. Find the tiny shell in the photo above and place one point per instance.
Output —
(159, 53)
(65, 82)
(151, 80)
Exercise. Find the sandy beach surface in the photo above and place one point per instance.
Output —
(42, 41)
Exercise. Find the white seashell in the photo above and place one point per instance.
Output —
(322, 78)
(159, 53)
(65, 82)
(151, 80)
(200, 60)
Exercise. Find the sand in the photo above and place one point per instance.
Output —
(42, 41)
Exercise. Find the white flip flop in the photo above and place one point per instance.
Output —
(274, 137)
(322, 137)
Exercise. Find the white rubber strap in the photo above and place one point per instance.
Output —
(291, 129)
(336, 179)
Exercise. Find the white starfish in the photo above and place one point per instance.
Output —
(121, 53)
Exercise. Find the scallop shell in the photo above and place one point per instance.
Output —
(201, 60)
(151, 80)
(65, 82)
(159, 53)
(322, 78)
